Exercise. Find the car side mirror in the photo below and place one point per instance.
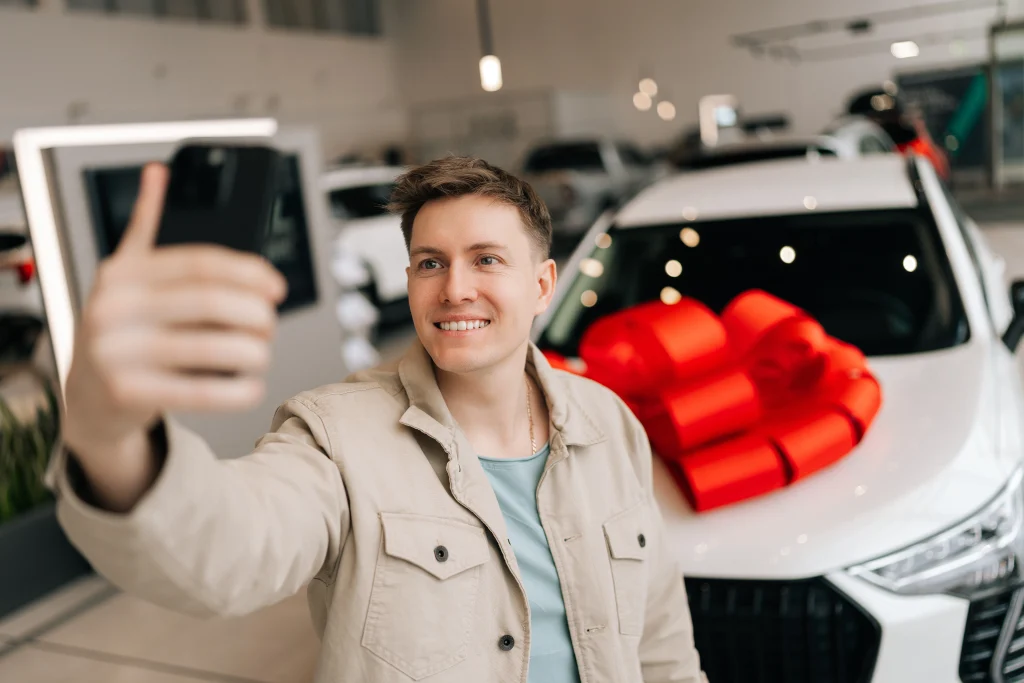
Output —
(1015, 331)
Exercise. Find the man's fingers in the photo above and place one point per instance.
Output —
(180, 392)
(210, 264)
(228, 352)
(185, 350)
(193, 306)
(149, 205)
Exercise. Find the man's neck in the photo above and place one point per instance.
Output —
(490, 405)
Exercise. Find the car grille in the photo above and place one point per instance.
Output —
(785, 631)
(994, 640)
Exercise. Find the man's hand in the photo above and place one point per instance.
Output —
(179, 328)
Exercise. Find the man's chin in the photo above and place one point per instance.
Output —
(459, 361)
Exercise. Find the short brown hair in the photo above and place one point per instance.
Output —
(459, 176)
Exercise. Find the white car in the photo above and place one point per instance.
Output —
(849, 137)
(903, 561)
(357, 197)
(578, 179)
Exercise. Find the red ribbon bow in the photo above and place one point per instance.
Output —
(737, 406)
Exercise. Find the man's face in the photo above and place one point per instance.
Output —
(475, 282)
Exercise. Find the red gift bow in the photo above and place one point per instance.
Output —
(737, 406)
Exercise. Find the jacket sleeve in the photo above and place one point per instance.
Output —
(219, 537)
(667, 650)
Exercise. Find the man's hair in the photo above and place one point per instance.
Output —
(457, 176)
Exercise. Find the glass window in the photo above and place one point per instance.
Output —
(364, 201)
(631, 156)
(357, 17)
(576, 156)
(748, 154)
(879, 280)
(182, 9)
(221, 11)
(872, 145)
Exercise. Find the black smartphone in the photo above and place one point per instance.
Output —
(220, 193)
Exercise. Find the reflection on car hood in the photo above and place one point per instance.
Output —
(928, 461)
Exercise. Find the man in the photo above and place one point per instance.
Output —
(467, 515)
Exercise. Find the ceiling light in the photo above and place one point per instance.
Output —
(690, 237)
(670, 296)
(591, 267)
(787, 254)
(810, 203)
(588, 298)
(490, 73)
(603, 240)
(666, 110)
(690, 213)
(642, 101)
(905, 49)
(649, 87)
(910, 264)
(882, 102)
(674, 268)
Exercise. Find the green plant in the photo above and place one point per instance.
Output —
(25, 449)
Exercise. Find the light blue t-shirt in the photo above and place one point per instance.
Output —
(552, 659)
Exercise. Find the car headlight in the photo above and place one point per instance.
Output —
(983, 552)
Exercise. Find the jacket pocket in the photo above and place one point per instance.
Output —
(424, 596)
(627, 551)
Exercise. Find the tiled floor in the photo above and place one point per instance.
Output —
(91, 632)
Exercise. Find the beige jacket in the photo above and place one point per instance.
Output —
(369, 493)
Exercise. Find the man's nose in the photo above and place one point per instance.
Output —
(459, 285)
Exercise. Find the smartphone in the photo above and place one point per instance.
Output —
(220, 193)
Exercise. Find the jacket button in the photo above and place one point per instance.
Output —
(441, 553)
(642, 540)
(507, 643)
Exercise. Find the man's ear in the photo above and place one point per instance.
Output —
(547, 279)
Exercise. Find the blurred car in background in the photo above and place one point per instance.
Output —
(22, 320)
(19, 290)
(904, 559)
(358, 196)
(582, 178)
(846, 138)
(906, 128)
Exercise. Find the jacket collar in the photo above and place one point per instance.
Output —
(429, 413)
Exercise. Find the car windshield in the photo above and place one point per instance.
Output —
(362, 201)
(879, 280)
(580, 156)
(748, 155)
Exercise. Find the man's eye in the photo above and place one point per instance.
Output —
(488, 261)
(429, 264)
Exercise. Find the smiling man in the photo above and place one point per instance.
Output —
(469, 514)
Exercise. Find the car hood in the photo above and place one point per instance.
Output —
(930, 459)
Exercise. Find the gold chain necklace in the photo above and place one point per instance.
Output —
(529, 415)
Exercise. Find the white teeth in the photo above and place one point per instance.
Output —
(462, 325)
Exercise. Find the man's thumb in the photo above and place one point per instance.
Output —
(149, 206)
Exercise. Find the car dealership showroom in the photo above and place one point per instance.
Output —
(511, 341)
